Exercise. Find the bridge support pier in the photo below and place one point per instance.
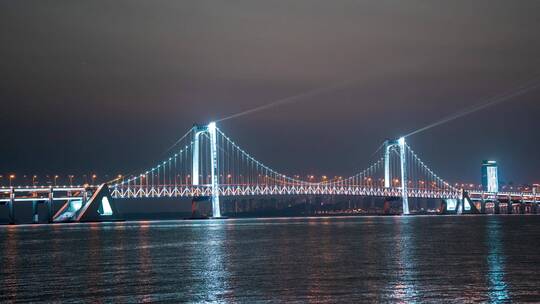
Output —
(483, 205)
(11, 206)
(50, 207)
(35, 213)
(442, 207)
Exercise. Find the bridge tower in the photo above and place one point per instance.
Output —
(388, 145)
(211, 131)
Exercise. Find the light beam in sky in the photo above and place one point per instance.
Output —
(490, 102)
(290, 99)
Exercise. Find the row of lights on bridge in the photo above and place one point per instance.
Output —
(53, 179)
(312, 178)
(11, 179)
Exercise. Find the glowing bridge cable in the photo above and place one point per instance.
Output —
(247, 162)
(357, 177)
(158, 167)
(249, 157)
(170, 148)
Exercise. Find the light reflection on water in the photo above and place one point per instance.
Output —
(498, 289)
(213, 285)
(404, 288)
(293, 260)
(9, 264)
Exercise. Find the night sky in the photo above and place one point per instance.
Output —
(108, 86)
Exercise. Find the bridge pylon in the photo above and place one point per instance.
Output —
(388, 145)
(211, 131)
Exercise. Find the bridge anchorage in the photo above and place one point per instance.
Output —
(208, 165)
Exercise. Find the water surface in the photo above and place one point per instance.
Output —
(318, 260)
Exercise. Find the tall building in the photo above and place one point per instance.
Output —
(490, 177)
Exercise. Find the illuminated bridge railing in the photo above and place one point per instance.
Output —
(263, 190)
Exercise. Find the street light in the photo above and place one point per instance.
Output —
(71, 179)
(11, 177)
(55, 178)
(34, 180)
(93, 179)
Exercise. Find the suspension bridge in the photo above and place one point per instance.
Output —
(208, 164)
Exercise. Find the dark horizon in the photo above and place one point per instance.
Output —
(106, 87)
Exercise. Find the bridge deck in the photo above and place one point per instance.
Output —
(63, 193)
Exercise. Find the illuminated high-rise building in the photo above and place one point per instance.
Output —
(490, 177)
